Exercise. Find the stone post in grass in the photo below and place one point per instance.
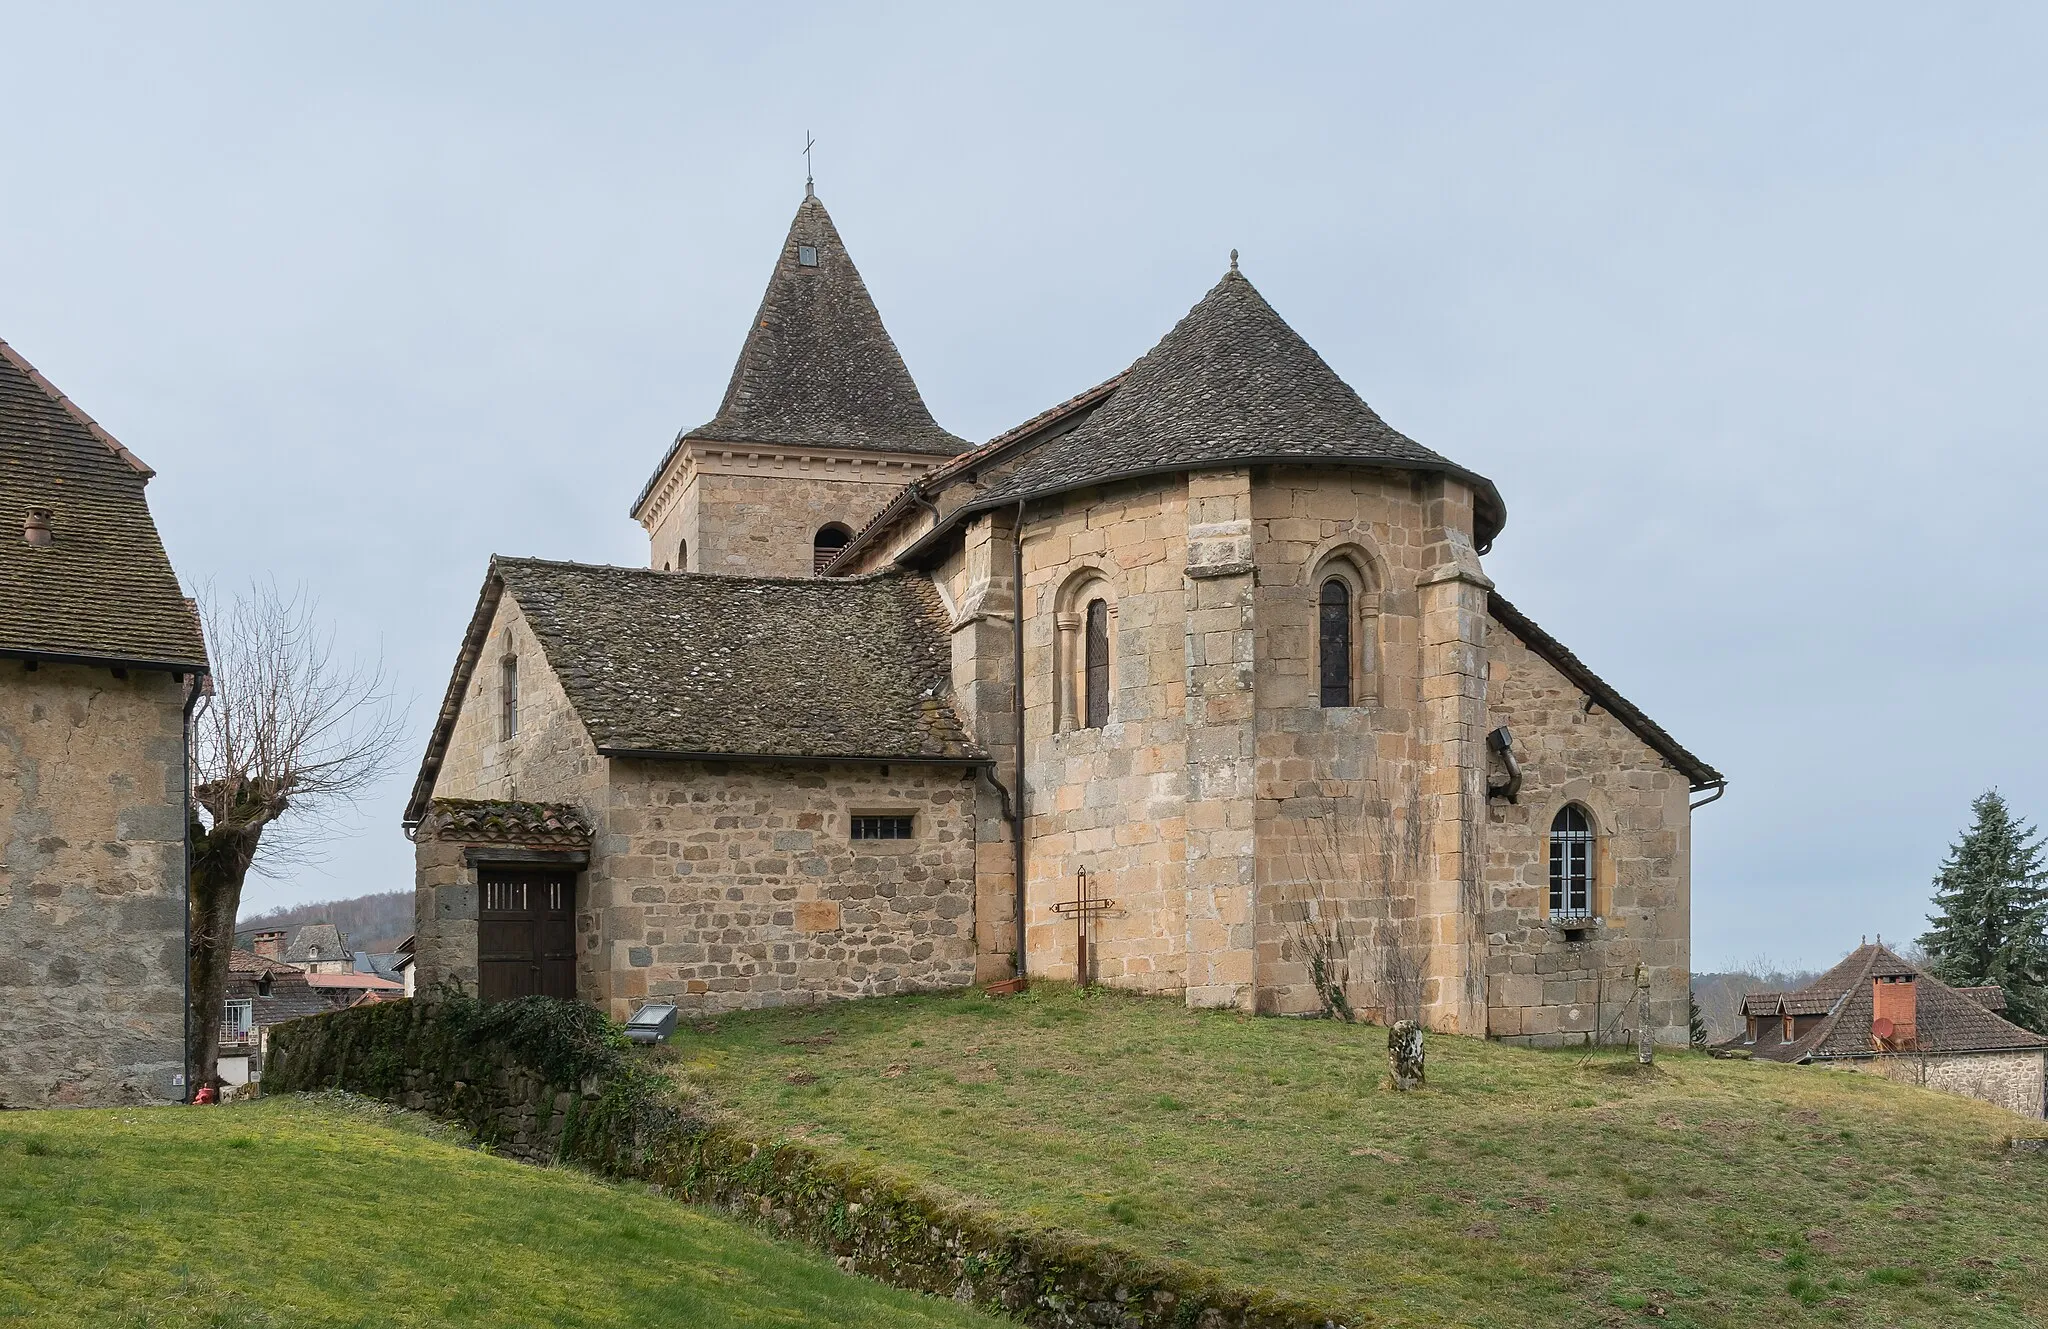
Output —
(1404, 1055)
(1646, 1050)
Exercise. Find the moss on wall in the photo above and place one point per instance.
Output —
(550, 1081)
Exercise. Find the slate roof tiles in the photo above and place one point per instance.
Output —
(818, 368)
(1230, 384)
(103, 588)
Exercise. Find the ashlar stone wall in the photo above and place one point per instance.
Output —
(1111, 799)
(754, 512)
(1544, 986)
(549, 759)
(734, 885)
(1340, 818)
(92, 886)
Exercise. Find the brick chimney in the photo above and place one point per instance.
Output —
(1894, 1008)
(269, 945)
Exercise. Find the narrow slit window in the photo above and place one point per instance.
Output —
(1333, 642)
(885, 827)
(682, 556)
(508, 697)
(1097, 664)
(1571, 864)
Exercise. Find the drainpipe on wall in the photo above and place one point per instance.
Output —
(1017, 687)
(185, 834)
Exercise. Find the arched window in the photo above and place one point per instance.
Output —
(1571, 863)
(1097, 667)
(1333, 642)
(682, 556)
(825, 546)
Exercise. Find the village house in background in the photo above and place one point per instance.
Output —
(1271, 705)
(320, 953)
(1878, 1012)
(261, 992)
(100, 659)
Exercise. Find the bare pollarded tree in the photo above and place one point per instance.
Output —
(288, 737)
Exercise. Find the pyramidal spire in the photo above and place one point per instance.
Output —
(818, 368)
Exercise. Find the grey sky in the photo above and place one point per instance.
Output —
(1743, 316)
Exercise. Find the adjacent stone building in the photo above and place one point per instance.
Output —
(1278, 728)
(100, 656)
(1878, 1012)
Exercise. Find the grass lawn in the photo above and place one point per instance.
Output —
(305, 1212)
(1520, 1189)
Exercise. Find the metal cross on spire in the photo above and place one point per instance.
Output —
(809, 143)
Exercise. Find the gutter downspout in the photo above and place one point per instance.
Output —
(1719, 787)
(185, 833)
(1017, 688)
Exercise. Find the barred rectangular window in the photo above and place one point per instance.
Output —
(881, 828)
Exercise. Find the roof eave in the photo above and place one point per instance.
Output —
(918, 549)
(104, 660)
(451, 702)
(790, 758)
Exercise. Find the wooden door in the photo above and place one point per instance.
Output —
(525, 934)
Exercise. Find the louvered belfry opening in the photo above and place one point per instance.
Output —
(825, 547)
(1334, 643)
(1097, 654)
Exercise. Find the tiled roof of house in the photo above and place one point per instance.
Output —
(1231, 384)
(352, 983)
(1947, 1020)
(818, 369)
(290, 995)
(677, 665)
(1621, 708)
(1990, 996)
(502, 821)
(321, 941)
(103, 588)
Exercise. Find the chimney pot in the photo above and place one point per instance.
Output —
(36, 527)
(1894, 1002)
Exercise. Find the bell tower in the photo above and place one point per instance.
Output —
(820, 426)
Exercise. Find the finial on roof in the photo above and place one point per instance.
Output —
(1233, 260)
(809, 143)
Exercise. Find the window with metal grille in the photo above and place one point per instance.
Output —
(1571, 864)
(1096, 654)
(1333, 642)
(825, 547)
(889, 827)
(508, 697)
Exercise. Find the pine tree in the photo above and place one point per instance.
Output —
(1990, 923)
(1696, 1024)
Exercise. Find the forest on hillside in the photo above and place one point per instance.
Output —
(369, 922)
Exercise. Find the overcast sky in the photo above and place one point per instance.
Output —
(1744, 317)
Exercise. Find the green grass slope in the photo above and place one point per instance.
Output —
(1520, 1189)
(301, 1212)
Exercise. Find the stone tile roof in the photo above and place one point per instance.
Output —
(103, 588)
(502, 821)
(1231, 384)
(325, 938)
(818, 369)
(1701, 775)
(688, 665)
(1947, 1020)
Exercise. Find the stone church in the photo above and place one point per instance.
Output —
(1283, 744)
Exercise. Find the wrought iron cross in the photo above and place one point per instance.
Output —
(809, 143)
(1083, 907)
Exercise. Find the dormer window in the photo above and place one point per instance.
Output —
(807, 256)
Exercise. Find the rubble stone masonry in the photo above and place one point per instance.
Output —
(92, 886)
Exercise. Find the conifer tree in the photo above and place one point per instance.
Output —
(1990, 923)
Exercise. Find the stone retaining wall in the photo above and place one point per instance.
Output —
(548, 1081)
